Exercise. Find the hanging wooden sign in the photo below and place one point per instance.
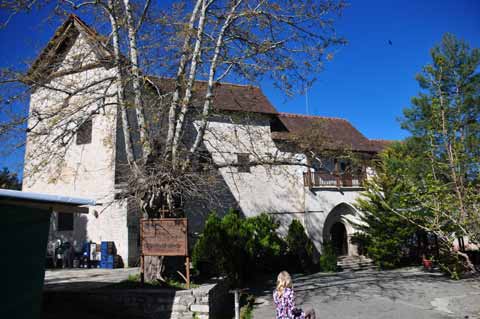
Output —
(165, 237)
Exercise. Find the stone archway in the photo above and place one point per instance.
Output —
(338, 229)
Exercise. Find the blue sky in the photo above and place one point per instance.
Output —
(368, 82)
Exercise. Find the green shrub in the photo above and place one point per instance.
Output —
(363, 241)
(248, 302)
(388, 249)
(237, 247)
(208, 253)
(451, 263)
(264, 247)
(328, 259)
(300, 247)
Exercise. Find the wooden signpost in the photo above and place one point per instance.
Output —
(165, 237)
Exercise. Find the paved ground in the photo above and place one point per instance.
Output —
(407, 294)
(58, 279)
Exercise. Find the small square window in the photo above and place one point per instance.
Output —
(64, 221)
(204, 161)
(243, 161)
(84, 133)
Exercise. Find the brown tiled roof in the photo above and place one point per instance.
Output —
(379, 145)
(335, 133)
(227, 96)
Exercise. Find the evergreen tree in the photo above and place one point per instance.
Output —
(431, 181)
(9, 180)
(385, 236)
(445, 120)
(300, 247)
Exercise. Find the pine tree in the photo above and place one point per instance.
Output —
(444, 121)
(431, 181)
(385, 236)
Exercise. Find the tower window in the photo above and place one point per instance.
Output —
(243, 161)
(204, 161)
(84, 133)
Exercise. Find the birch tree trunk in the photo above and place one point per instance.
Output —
(137, 90)
(191, 81)
(154, 265)
(178, 85)
(120, 85)
(211, 79)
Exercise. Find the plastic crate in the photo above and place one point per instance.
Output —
(108, 258)
(108, 248)
(107, 266)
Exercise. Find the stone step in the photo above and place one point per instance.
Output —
(346, 262)
(355, 263)
(357, 268)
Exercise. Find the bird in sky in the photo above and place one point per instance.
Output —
(390, 42)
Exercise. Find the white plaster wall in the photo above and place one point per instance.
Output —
(276, 189)
(79, 170)
(266, 188)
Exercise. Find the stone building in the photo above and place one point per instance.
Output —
(261, 166)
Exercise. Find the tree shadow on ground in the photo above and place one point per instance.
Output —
(360, 285)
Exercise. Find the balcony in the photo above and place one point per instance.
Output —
(328, 180)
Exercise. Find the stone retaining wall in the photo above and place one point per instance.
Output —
(208, 301)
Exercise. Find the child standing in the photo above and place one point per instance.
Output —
(284, 299)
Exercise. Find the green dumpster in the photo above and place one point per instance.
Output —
(24, 226)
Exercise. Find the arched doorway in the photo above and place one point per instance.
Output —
(338, 235)
(338, 229)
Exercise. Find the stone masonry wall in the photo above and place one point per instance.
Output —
(205, 302)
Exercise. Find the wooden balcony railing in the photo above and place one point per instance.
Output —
(323, 179)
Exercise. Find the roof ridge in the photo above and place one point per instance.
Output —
(84, 25)
(228, 97)
(313, 116)
(205, 81)
(381, 140)
(238, 84)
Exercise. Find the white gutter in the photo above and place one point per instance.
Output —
(39, 197)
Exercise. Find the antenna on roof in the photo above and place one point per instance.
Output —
(306, 100)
